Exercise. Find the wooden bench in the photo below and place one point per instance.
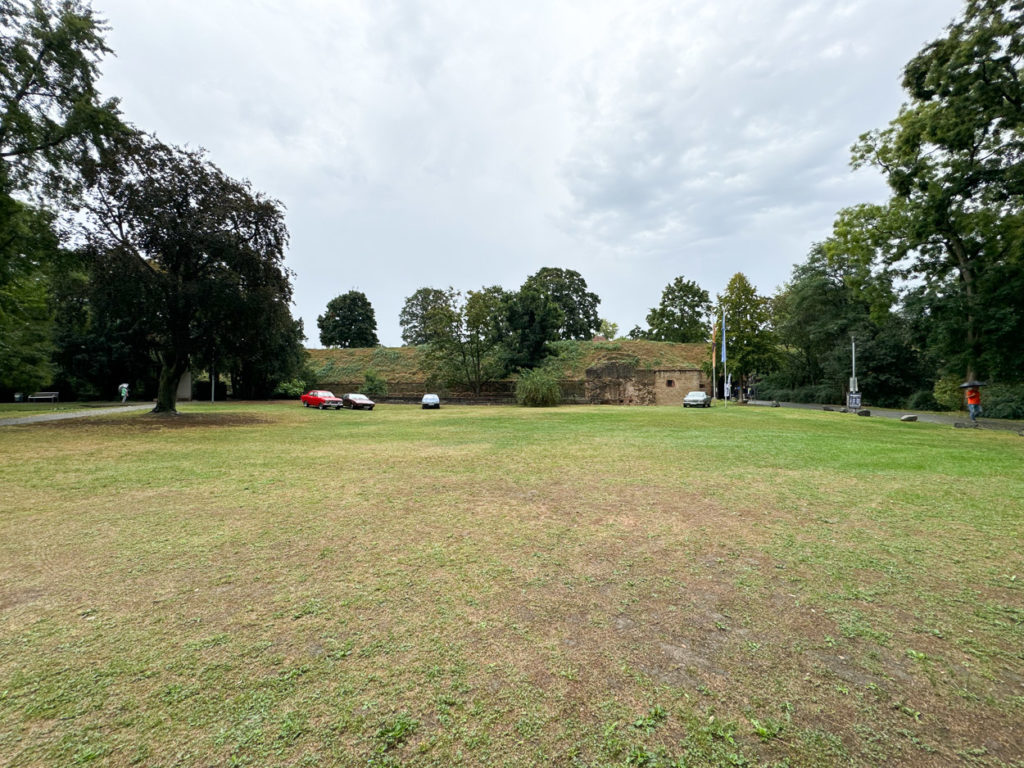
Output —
(53, 397)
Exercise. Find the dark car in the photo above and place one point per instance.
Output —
(357, 402)
(321, 398)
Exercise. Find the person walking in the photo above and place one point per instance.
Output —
(974, 403)
(123, 392)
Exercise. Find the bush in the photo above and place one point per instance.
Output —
(291, 388)
(1003, 401)
(537, 388)
(923, 400)
(374, 386)
(948, 394)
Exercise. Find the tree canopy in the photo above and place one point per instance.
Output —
(198, 246)
(413, 317)
(952, 159)
(51, 114)
(567, 290)
(750, 341)
(683, 316)
(348, 322)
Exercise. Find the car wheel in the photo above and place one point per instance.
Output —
(320, 407)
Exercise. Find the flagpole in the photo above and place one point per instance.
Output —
(725, 365)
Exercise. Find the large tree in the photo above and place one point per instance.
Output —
(683, 316)
(832, 299)
(51, 118)
(533, 321)
(348, 322)
(952, 158)
(750, 339)
(51, 113)
(27, 253)
(413, 317)
(567, 290)
(466, 337)
(194, 242)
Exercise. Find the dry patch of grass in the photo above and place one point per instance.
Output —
(497, 586)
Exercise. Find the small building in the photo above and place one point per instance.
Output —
(622, 383)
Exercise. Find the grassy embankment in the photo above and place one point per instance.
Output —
(258, 585)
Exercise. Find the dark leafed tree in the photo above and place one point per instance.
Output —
(567, 290)
(28, 249)
(953, 161)
(195, 243)
(51, 114)
(413, 317)
(51, 117)
(683, 315)
(348, 322)
(533, 322)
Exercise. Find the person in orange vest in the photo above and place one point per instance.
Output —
(974, 402)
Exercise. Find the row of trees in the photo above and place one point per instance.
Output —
(122, 258)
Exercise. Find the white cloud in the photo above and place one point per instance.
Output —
(470, 143)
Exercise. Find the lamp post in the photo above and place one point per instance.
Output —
(853, 397)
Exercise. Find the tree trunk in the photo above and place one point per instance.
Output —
(172, 366)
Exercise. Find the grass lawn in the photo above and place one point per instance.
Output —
(262, 585)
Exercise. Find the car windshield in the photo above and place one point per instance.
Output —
(325, 393)
(358, 397)
(695, 394)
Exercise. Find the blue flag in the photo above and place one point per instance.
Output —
(723, 334)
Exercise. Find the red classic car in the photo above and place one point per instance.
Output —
(321, 398)
(355, 401)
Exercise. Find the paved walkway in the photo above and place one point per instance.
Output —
(949, 419)
(37, 417)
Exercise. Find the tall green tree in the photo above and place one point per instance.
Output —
(348, 322)
(567, 290)
(533, 321)
(832, 299)
(952, 159)
(750, 339)
(51, 118)
(683, 316)
(413, 317)
(466, 337)
(192, 241)
(51, 112)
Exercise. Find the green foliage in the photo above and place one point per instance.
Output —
(948, 394)
(608, 329)
(348, 322)
(533, 323)
(567, 290)
(684, 315)
(374, 385)
(538, 388)
(955, 220)
(51, 116)
(750, 340)
(394, 732)
(414, 315)
(467, 335)
(291, 388)
(203, 254)
(28, 251)
(1003, 401)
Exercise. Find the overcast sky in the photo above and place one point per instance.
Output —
(471, 142)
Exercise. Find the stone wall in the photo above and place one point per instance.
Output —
(671, 386)
(614, 383)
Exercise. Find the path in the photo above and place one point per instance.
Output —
(948, 419)
(7, 422)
